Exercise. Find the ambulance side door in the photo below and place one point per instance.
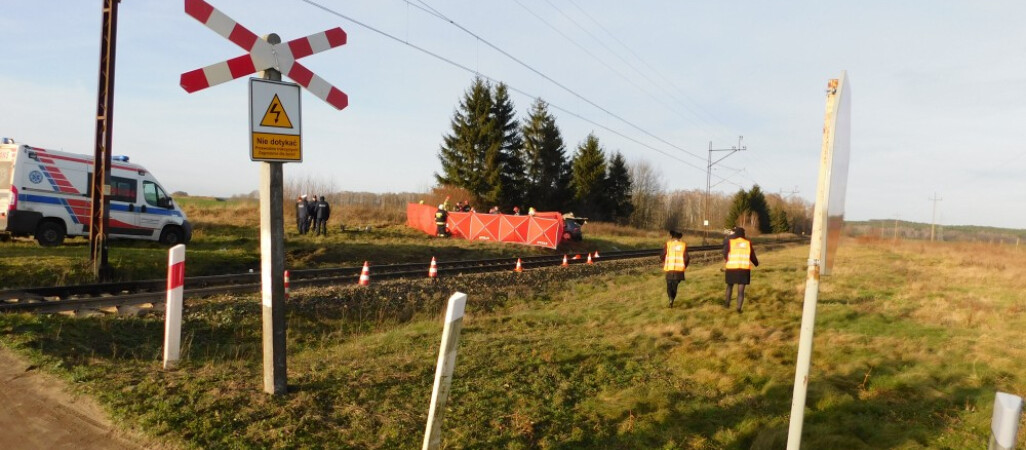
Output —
(124, 210)
(157, 207)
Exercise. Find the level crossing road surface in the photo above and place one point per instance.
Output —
(38, 412)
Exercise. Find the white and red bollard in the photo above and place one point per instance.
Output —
(173, 309)
(286, 285)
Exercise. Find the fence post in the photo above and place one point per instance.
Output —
(443, 372)
(173, 308)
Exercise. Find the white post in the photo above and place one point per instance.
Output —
(1004, 424)
(818, 254)
(173, 309)
(443, 373)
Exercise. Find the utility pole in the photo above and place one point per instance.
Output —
(99, 194)
(708, 180)
(933, 223)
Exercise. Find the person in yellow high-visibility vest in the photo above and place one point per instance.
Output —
(675, 260)
(739, 257)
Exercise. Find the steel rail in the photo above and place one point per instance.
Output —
(105, 295)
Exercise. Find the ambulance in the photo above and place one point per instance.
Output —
(46, 194)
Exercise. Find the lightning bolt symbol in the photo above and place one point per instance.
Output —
(274, 110)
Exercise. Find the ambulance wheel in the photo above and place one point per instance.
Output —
(50, 234)
(172, 236)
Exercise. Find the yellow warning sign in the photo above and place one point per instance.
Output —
(275, 115)
(276, 147)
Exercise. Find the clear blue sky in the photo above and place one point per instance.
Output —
(937, 106)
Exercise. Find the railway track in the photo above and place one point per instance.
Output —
(115, 295)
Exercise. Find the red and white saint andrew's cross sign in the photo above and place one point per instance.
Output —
(262, 55)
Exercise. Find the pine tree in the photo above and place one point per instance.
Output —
(506, 170)
(546, 168)
(589, 178)
(739, 209)
(757, 203)
(749, 209)
(781, 224)
(464, 153)
(618, 190)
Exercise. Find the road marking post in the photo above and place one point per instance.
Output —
(443, 372)
(828, 217)
(1004, 423)
(173, 309)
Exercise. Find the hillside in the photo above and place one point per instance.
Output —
(891, 229)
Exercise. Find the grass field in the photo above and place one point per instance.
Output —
(226, 240)
(912, 341)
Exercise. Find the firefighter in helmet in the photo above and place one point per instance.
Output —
(441, 217)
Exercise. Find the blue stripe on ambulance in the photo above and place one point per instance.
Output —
(30, 198)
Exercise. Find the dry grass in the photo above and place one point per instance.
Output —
(912, 340)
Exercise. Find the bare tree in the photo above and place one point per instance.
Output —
(646, 188)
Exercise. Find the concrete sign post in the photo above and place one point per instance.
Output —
(275, 138)
(443, 372)
(827, 215)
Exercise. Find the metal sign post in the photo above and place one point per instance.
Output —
(275, 138)
(828, 216)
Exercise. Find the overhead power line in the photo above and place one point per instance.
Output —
(435, 13)
(451, 62)
(670, 92)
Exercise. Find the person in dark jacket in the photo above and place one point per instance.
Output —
(739, 256)
(323, 213)
(441, 217)
(675, 261)
(302, 209)
(311, 214)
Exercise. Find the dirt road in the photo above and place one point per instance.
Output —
(38, 412)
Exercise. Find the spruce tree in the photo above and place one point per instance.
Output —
(759, 207)
(739, 209)
(748, 209)
(781, 224)
(464, 152)
(618, 190)
(506, 170)
(546, 168)
(589, 178)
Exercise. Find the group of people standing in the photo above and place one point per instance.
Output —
(312, 213)
(738, 256)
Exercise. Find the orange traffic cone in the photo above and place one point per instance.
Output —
(578, 256)
(365, 275)
(589, 259)
(596, 254)
(518, 268)
(565, 262)
(433, 270)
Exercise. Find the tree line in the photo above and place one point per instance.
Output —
(500, 161)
